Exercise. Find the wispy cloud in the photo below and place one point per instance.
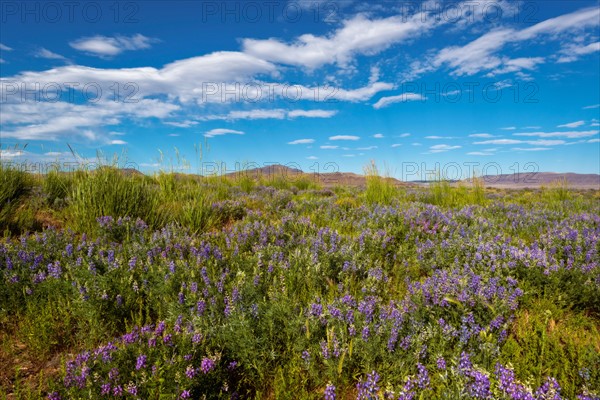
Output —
(593, 106)
(302, 141)
(344, 137)
(540, 142)
(509, 128)
(311, 113)
(438, 137)
(329, 147)
(105, 46)
(367, 148)
(440, 148)
(181, 124)
(567, 134)
(402, 98)
(479, 153)
(531, 148)
(45, 53)
(378, 136)
(222, 131)
(575, 124)
(481, 135)
(404, 135)
(573, 52)
(4, 47)
(396, 145)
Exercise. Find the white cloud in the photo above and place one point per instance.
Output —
(569, 134)
(591, 107)
(396, 145)
(105, 46)
(434, 137)
(61, 120)
(344, 137)
(45, 53)
(416, 144)
(117, 142)
(574, 51)
(366, 148)
(302, 141)
(402, 98)
(509, 128)
(540, 142)
(276, 113)
(258, 114)
(481, 135)
(405, 135)
(183, 124)
(358, 36)
(531, 148)
(594, 140)
(440, 148)
(328, 147)
(4, 47)
(479, 153)
(348, 155)
(575, 124)
(312, 158)
(311, 113)
(378, 136)
(481, 54)
(173, 134)
(221, 131)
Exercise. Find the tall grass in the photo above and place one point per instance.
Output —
(442, 193)
(14, 185)
(379, 190)
(107, 191)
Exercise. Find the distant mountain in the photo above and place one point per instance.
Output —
(539, 179)
(327, 179)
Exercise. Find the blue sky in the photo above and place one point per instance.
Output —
(495, 86)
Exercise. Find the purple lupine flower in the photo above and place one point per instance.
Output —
(185, 394)
(207, 365)
(141, 362)
(441, 363)
(329, 392)
(306, 356)
(422, 377)
(324, 350)
(105, 389)
(190, 372)
(118, 390)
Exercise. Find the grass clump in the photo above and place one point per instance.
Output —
(379, 190)
(107, 191)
